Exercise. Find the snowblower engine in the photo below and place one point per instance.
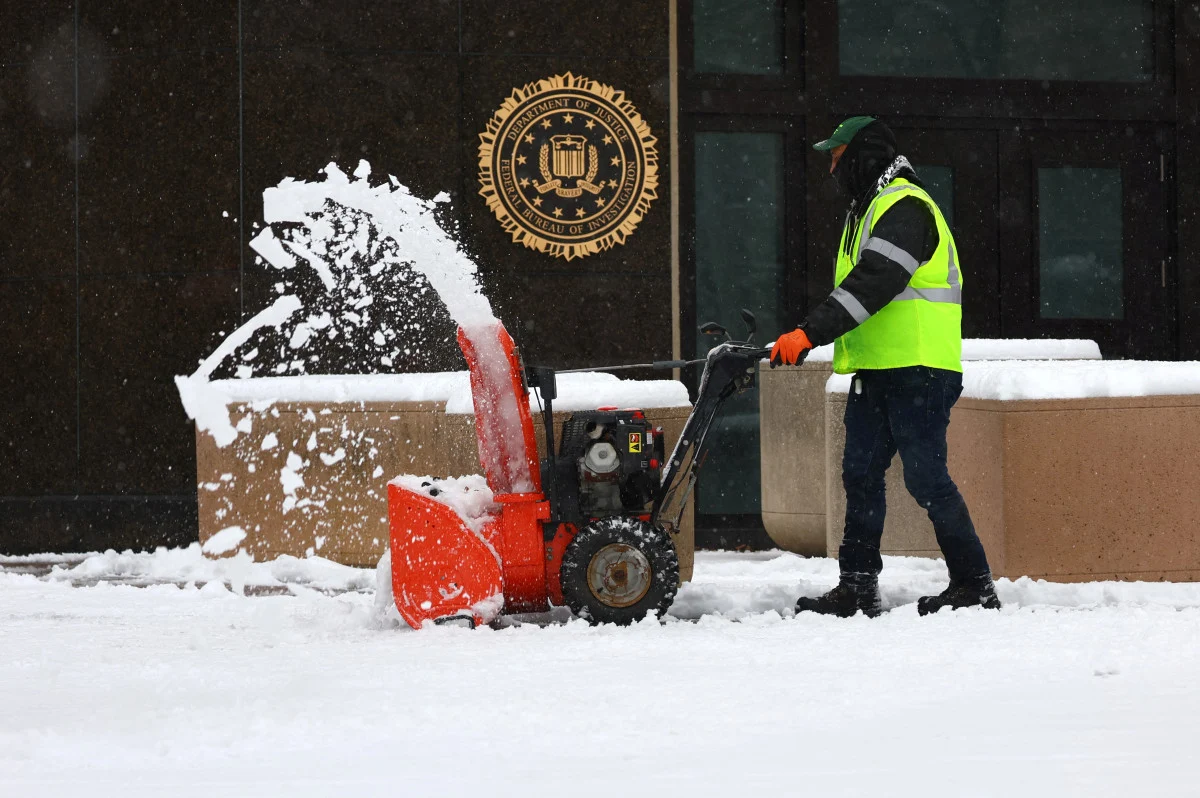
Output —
(609, 463)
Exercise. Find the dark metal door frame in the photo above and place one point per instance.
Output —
(751, 104)
(721, 530)
(1148, 329)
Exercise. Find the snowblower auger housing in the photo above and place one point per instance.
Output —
(590, 525)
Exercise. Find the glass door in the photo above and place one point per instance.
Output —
(1085, 252)
(741, 254)
(741, 220)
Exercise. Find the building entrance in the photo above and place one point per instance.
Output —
(1062, 233)
(1051, 158)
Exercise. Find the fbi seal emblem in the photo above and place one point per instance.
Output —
(568, 166)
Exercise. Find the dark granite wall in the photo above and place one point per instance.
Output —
(129, 129)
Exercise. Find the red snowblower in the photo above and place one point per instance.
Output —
(590, 525)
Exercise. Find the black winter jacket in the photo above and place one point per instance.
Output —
(908, 225)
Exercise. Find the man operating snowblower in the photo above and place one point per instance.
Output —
(895, 318)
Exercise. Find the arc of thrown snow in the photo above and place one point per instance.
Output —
(205, 404)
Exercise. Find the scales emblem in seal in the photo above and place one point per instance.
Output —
(568, 166)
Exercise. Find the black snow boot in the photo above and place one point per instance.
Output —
(854, 593)
(977, 593)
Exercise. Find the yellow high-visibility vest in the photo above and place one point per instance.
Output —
(922, 325)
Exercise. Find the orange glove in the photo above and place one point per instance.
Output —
(791, 348)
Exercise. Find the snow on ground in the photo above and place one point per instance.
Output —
(184, 687)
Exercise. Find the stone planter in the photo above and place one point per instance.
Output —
(310, 477)
(792, 413)
(797, 504)
(1076, 488)
(1082, 489)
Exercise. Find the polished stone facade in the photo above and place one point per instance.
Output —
(136, 139)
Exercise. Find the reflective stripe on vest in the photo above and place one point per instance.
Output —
(851, 304)
(870, 216)
(893, 253)
(952, 294)
(922, 325)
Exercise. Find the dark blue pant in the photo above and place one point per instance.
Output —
(905, 410)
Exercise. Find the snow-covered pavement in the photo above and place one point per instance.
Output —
(114, 680)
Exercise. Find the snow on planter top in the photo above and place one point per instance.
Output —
(1009, 380)
(1006, 349)
(583, 391)
(1016, 380)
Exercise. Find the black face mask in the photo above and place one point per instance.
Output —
(869, 153)
(841, 177)
(864, 160)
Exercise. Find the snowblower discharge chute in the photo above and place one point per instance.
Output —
(590, 526)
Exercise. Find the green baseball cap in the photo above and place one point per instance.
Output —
(844, 133)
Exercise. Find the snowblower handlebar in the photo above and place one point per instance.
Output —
(729, 368)
(658, 365)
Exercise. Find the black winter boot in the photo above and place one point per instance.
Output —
(980, 593)
(854, 593)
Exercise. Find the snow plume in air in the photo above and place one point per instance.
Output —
(201, 400)
(370, 283)
(383, 284)
(350, 231)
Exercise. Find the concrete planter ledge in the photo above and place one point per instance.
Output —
(307, 473)
(452, 388)
(1083, 489)
(1074, 471)
(792, 408)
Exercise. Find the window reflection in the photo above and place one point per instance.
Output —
(1091, 40)
(738, 36)
(1080, 243)
(939, 184)
(739, 264)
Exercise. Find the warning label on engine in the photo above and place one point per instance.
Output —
(635, 442)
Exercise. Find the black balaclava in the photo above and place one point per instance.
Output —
(867, 156)
(870, 152)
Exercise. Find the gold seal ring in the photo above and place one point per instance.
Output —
(568, 166)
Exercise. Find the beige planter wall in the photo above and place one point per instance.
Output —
(1066, 490)
(340, 509)
(802, 511)
(804, 505)
(1084, 489)
(792, 409)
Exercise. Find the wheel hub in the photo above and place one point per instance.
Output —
(619, 575)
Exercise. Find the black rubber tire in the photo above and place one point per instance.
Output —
(653, 543)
